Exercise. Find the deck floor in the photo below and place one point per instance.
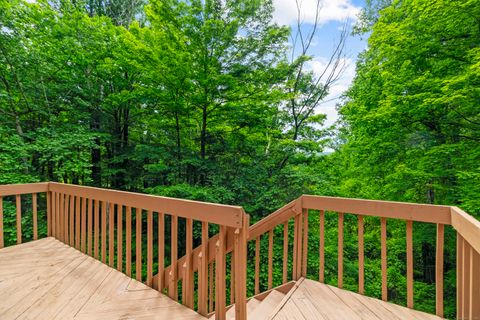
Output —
(46, 279)
(314, 300)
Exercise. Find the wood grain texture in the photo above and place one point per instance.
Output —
(63, 283)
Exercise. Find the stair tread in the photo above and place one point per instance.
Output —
(267, 305)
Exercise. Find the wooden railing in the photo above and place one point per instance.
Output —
(109, 225)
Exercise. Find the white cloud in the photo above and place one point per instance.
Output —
(331, 10)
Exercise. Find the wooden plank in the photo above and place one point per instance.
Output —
(474, 311)
(220, 289)
(54, 214)
(89, 227)
(257, 265)
(34, 208)
(104, 231)
(172, 284)
(83, 244)
(138, 237)
(297, 247)
(321, 271)
(2, 242)
(383, 240)
(128, 241)
(111, 234)
(61, 205)
(439, 270)
(96, 227)
(120, 238)
(270, 259)
(19, 218)
(19, 189)
(280, 216)
(459, 266)
(210, 287)
(71, 220)
(409, 264)
(340, 250)
(203, 273)
(161, 250)
(149, 248)
(466, 279)
(386, 209)
(77, 223)
(49, 214)
(361, 257)
(232, 277)
(285, 253)
(467, 226)
(305, 243)
(226, 215)
(66, 224)
(240, 268)
(188, 278)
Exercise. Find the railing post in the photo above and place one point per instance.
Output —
(240, 253)
(297, 240)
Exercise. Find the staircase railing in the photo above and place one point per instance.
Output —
(110, 226)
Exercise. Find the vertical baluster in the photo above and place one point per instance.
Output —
(104, 232)
(305, 243)
(89, 226)
(188, 274)
(270, 259)
(210, 286)
(49, 214)
(474, 294)
(65, 217)
(439, 270)
(232, 277)
(361, 268)
(71, 220)
(19, 218)
(96, 225)
(138, 236)
(321, 276)
(128, 241)
(149, 247)
(459, 276)
(60, 217)
(54, 213)
(172, 285)
(84, 226)
(409, 264)
(161, 251)
(240, 252)
(297, 246)
(111, 234)
(220, 290)
(203, 272)
(2, 243)
(120, 237)
(77, 223)
(257, 265)
(466, 279)
(34, 207)
(285, 253)
(383, 223)
(340, 250)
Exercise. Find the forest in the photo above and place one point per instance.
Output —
(210, 100)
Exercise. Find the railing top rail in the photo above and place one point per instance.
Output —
(467, 226)
(25, 188)
(225, 215)
(387, 209)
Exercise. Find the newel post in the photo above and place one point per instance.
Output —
(297, 240)
(240, 256)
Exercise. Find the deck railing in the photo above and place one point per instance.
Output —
(108, 225)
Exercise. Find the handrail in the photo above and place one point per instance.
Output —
(26, 188)
(226, 215)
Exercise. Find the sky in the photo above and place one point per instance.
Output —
(333, 14)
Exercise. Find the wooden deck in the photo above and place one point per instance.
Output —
(314, 300)
(46, 279)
